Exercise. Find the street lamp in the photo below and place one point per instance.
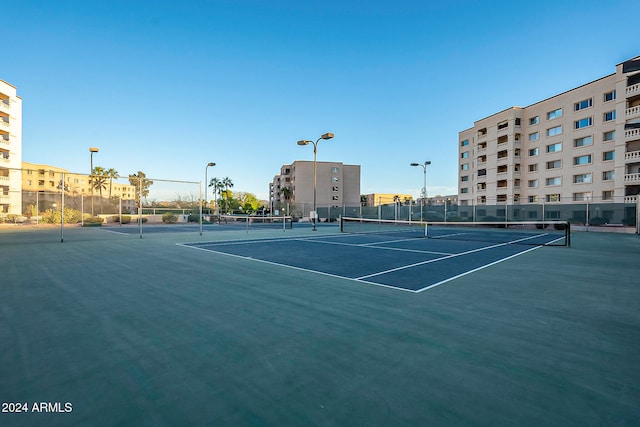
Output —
(424, 189)
(91, 151)
(327, 135)
(205, 192)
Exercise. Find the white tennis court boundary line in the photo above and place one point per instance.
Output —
(293, 267)
(361, 279)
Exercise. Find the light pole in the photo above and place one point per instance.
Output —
(91, 151)
(327, 135)
(205, 192)
(424, 189)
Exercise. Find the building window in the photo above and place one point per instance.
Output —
(501, 198)
(608, 116)
(335, 169)
(554, 164)
(335, 189)
(533, 152)
(580, 197)
(334, 198)
(533, 183)
(534, 120)
(554, 131)
(482, 172)
(583, 123)
(464, 167)
(503, 125)
(582, 160)
(464, 155)
(607, 195)
(533, 167)
(552, 148)
(517, 121)
(552, 197)
(608, 175)
(464, 190)
(554, 114)
(553, 181)
(533, 199)
(609, 136)
(534, 136)
(464, 143)
(583, 142)
(585, 103)
(583, 178)
(609, 155)
(464, 178)
(335, 179)
(609, 96)
(502, 154)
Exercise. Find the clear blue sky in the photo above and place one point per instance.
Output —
(165, 87)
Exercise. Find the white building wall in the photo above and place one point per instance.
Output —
(11, 149)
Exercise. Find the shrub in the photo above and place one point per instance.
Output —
(169, 218)
(94, 220)
(126, 219)
(71, 216)
(194, 218)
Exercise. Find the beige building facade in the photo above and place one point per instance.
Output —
(47, 180)
(10, 150)
(337, 185)
(579, 146)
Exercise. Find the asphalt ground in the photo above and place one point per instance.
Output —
(109, 329)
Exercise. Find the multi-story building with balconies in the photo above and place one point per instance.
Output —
(337, 185)
(48, 181)
(10, 150)
(578, 146)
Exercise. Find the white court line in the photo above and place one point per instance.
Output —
(440, 259)
(476, 269)
(366, 245)
(293, 267)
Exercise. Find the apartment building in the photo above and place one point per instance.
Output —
(376, 199)
(48, 181)
(10, 150)
(337, 185)
(578, 146)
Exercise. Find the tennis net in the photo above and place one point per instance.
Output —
(249, 221)
(547, 233)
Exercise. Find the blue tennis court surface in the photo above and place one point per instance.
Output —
(408, 264)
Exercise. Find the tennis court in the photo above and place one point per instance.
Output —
(401, 263)
(253, 328)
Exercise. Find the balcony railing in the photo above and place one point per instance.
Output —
(631, 199)
(4, 125)
(632, 90)
(632, 178)
(631, 134)
(632, 156)
(4, 141)
(4, 199)
(4, 106)
(632, 112)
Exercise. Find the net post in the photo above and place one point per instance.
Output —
(341, 226)
(567, 237)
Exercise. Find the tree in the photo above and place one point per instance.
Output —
(142, 185)
(111, 173)
(227, 183)
(248, 201)
(99, 181)
(217, 188)
(286, 193)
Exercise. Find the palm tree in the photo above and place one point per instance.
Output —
(286, 193)
(99, 181)
(111, 173)
(227, 183)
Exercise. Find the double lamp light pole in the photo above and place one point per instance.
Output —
(328, 135)
(423, 194)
